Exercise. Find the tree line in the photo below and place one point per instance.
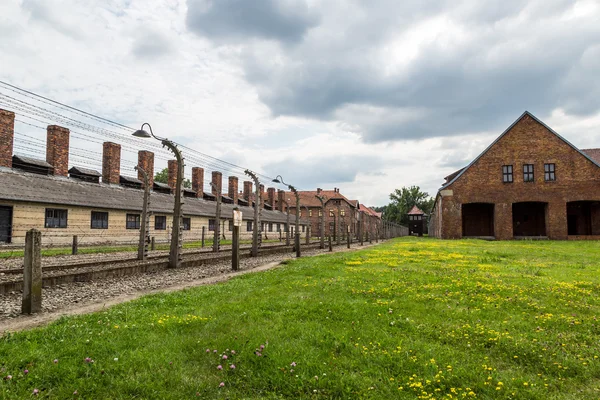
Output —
(402, 200)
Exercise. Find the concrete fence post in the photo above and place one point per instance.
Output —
(203, 234)
(32, 273)
(330, 244)
(74, 247)
(308, 235)
(235, 239)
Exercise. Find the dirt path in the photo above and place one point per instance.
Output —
(31, 321)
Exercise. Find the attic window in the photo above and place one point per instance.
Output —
(507, 173)
(549, 172)
(527, 172)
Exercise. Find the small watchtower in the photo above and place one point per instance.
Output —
(416, 221)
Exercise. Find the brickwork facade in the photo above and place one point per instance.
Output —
(7, 129)
(57, 149)
(522, 205)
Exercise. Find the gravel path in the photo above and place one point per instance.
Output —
(17, 262)
(65, 296)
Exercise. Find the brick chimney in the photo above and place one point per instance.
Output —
(217, 180)
(319, 191)
(146, 162)
(271, 197)
(111, 163)
(262, 195)
(57, 149)
(7, 134)
(233, 189)
(280, 199)
(198, 181)
(248, 192)
(172, 174)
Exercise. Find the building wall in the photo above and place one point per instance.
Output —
(349, 218)
(527, 142)
(28, 216)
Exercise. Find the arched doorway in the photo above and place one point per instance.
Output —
(478, 220)
(529, 219)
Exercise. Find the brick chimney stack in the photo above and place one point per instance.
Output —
(319, 191)
(111, 163)
(7, 134)
(248, 192)
(172, 174)
(146, 162)
(217, 180)
(233, 189)
(271, 197)
(280, 199)
(262, 195)
(198, 181)
(57, 149)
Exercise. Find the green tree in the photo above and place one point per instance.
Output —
(402, 200)
(163, 177)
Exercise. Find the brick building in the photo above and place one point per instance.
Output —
(106, 207)
(529, 183)
(342, 215)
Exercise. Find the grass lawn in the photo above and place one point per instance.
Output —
(413, 318)
(63, 251)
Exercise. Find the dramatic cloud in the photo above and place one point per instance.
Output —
(444, 68)
(221, 20)
(367, 96)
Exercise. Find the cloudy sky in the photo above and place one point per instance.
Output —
(367, 96)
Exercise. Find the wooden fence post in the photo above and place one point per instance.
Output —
(74, 246)
(235, 248)
(32, 273)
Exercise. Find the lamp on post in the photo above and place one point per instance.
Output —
(175, 252)
(145, 226)
(279, 179)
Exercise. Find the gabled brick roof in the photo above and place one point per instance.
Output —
(369, 211)
(526, 113)
(308, 198)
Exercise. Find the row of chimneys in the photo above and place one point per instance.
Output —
(57, 155)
